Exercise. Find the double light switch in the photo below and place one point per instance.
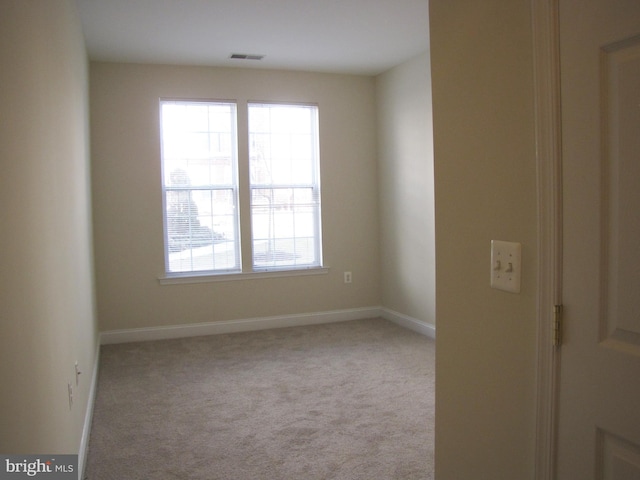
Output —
(506, 265)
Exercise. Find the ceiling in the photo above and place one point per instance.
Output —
(342, 36)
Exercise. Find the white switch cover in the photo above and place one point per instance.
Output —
(506, 265)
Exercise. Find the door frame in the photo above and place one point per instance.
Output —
(548, 140)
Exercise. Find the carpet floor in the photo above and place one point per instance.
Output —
(349, 400)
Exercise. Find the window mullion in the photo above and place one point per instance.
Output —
(244, 193)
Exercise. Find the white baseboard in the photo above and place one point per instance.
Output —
(88, 416)
(263, 323)
(411, 323)
(234, 326)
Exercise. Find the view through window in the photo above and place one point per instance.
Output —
(199, 160)
(202, 195)
(285, 187)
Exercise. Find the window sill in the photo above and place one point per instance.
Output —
(178, 279)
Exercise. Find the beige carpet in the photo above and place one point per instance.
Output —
(350, 400)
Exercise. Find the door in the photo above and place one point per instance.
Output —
(599, 388)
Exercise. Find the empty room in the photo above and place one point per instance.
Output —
(265, 206)
(228, 229)
(244, 194)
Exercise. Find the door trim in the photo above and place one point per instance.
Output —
(548, 138)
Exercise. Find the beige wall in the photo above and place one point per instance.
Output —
(46, 286)
(128, 200)
(485, 189)
(405, 166)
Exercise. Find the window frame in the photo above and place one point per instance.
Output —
(243, 196)
(313, 185)
(233, 187)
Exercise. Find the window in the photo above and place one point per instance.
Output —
(199, 171)
(285, 188)
(202, 195)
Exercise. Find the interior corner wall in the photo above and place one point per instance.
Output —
(406, 189)
(46, 287)
(125, 142)
(485, 188)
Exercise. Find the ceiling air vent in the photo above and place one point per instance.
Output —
(245, 56)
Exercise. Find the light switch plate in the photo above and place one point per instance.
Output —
(506, 265)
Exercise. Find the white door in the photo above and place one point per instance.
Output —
(599, 396)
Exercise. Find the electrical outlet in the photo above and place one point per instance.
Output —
(347, 277)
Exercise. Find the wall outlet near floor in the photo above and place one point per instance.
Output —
(347, 277)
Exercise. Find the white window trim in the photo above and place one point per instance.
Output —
(207, 277)
(234, 187)
(314, 185)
